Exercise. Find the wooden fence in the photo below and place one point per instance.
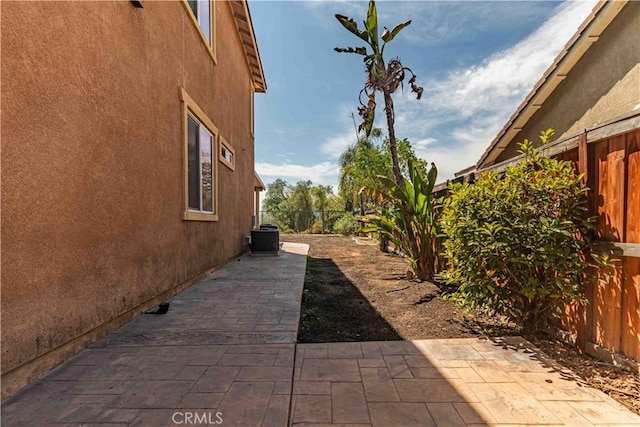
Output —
(609, 155)
(612, 318)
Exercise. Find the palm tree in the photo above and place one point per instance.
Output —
(320, 195)
(381, 76)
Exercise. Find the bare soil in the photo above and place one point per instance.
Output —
(354, 292)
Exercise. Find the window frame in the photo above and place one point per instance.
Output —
(225, 145)
(210, 46)
(190, 108)
(253, 112)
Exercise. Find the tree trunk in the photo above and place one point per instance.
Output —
(388, 108)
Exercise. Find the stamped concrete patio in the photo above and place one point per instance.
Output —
(226, 354)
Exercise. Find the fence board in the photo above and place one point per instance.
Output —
(607, 309)
(611, 180)
(571, 155)
(630, 336)
(632, 234)
(600, 177)
(611, 192)
(573, 319)
(612, 319)
(630, 321)
(582, 164)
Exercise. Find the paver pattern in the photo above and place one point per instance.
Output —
(226, 354)
(454, 382)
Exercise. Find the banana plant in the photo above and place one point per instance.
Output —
(410, 218)
(381, 76)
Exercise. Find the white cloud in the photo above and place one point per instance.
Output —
(460, 114)
(462, 149)
(450, 160)
(335, 145)
(325, 173)
(437, 22)
(500, 83)
(423, 143)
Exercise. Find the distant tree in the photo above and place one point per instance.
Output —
(364, 163)
(320, 195)
(360, 163)
(296, 208)
(277, 192)
(299, 206)
(335, 210)
(274, 203)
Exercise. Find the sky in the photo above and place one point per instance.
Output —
(477, 61)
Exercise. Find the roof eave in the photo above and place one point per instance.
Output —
(257, 182)
(588, 33)
(244, 26)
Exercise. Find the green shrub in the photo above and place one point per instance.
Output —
(518, 243)
(316, 228)
(346, 225)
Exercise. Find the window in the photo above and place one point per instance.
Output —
(200, 170)
(200, 160)
(227, 154)
(202, 13)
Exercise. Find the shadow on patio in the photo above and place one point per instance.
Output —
(456, 382)
(330, 298)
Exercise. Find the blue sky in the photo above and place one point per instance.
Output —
(476, 60)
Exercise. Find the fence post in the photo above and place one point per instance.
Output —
(585, 327)
(583, 155)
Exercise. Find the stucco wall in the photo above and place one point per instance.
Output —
(604, 84)
(92, 168)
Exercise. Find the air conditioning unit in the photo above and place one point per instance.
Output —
(265, 241)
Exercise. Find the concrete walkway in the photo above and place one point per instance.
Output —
(225, 354)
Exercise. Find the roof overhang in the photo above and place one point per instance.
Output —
(588, 33)
(242, 18)
(623, 124)
(257, 182)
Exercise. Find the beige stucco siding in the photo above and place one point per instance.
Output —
(92, 166)
(604, 84)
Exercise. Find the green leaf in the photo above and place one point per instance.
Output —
(387, 35)
(351, 25)
(431, 176)
(371, 25)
